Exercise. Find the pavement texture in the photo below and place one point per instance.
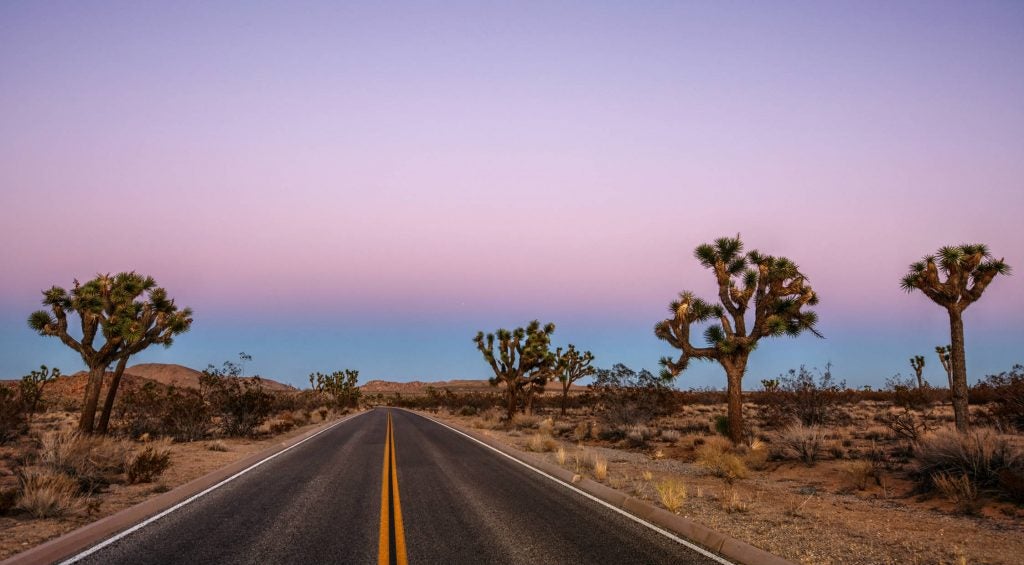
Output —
(460, 503)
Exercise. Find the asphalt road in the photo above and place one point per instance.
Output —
(329, 500)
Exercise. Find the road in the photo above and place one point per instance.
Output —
(393, 487)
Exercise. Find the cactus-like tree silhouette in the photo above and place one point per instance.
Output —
(571, 366)
(120, 315)
(917, 364)
(518, 357)
(968, 270)
(944, 353)
(780, 293)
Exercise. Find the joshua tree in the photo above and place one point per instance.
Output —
(570, 367)
(917, 363)
(968, 269)
(944, 353)
(521, 357)
(342, 386)
(779, 291)
(128, 311)
(31, 387)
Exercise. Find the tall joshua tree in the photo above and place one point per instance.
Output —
(780, 293)
(127, 312)
(917, 363)
(571, 366)
(968, 270)
(519, 357)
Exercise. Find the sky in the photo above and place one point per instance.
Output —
(366, 185)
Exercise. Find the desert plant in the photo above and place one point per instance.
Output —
(968, 269)
(217, 445)
(570, 367)
(128, 311)
(982, 455)
(93, 461)
(148, 463)
(802, 442)
(779, 291)
(46, 493)
(1006, 392)
(12, 413)
(714, 456)
(341, 386)
(960, 490)
(671, 493)
(859, 474)
(521, 358)
(241, 404)
(812, 402)
(624, 397)
(31, 388)
(917, 363)
(600, 468)
(541, 443)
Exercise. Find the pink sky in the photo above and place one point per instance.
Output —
(487, 166)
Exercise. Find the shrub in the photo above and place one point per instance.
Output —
(12, 414)
(960, 490)
(713, 455)
(813, 402)
(242, 404)
(637, 436)
(541, 443)
(600, 468)
(905, 425)
(94, 461)
(1006, 392)
(148, 463)
(670, 436)
(671, 493)
(625, 397)
(721, 425)
(217, 445)
(981, 455)
(802, 442)
(756, 457)
(859, 474)
(47, 493)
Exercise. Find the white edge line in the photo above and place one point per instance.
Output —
(660, 530)
(151, 519)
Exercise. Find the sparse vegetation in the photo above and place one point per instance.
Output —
(802, 442)
(147, 464)
(522, 361)
(671, 493)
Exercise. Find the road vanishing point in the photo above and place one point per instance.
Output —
(392, 487)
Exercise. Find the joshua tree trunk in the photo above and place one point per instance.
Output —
(92, 397)
(958, 369)
(734, 370)
(108, 404)
(511, 394)
(565, 395)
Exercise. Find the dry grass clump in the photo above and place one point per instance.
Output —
(582, 431)
(637, 436)
(982, 456)
(561, 456)
(541, 443)
(732, 503)
(960, 490)
(600, 466)
(756, 456)
(526, 421)
(217, 445)
(94, 461)
(670, 436)
(148, 463)
(671, 493)
(47, 493)
(802, 442)
(858, 474)
(714, 456)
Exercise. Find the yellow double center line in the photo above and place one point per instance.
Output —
(390, 510)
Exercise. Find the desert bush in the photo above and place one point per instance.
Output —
(341, 387)
(94, 461)
(671, 493)
(637, 436)
(623, 397)
(732, 503)
(582, 431)
(669, 436)
(960, 490)
(721, 424)
(714, 456)
(802, 442)
(46, 492)
(30, 388)
(813, 402)
(217, 445)
(981, 455)
(148, 463)
(858, 474)
(600, 466)
(12, 414)
(1005, 392)
(541, 443)
(906, 394)
(241, 404)
(906, 425)
(756, 456)
(561, 456)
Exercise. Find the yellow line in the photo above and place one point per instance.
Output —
(400, 557)
(384, 542)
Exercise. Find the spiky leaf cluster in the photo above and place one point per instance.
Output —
(572, 365)
(773, 287)
(127, 310)
(968, 269)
